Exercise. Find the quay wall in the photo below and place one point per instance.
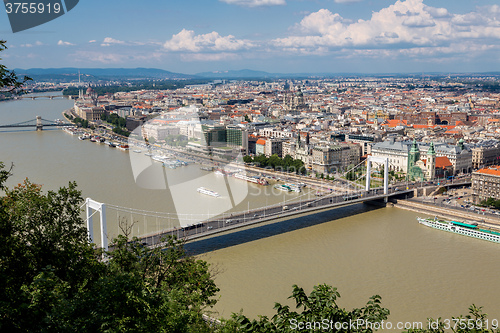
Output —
(447, 213)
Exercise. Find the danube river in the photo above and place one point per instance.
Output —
(361, 250)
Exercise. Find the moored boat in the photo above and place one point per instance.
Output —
(466, 229)
(159, 158)
(283, 187)
(294, 187)
(255, 180)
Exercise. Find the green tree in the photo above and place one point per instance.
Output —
(319, 307)
(275, 161)
(41, 235)
(247, 159)
(262, 160)
(287, 161)
(9, 79)
(474, 322)
(53, 280)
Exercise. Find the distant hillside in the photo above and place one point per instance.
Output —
(251, 74)
(238, 74)
(71, 73)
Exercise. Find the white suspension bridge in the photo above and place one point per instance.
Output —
(152, 226)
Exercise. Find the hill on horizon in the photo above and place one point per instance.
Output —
(105, 73)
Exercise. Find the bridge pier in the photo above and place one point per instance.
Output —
(39, 125)
(93, 205)
(369, 169)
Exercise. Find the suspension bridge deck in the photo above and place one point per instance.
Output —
(230, 222)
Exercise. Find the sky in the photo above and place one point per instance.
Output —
(277, 36)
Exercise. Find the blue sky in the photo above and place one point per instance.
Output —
(280, 36)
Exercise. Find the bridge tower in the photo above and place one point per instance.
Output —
(39, 126)
(92, 208)
(369, 161)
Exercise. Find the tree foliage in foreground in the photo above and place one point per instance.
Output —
(9, 79)
(54, 281)
(317, 311)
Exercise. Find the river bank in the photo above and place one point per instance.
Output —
(447, 213)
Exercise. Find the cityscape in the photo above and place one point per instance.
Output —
(217, 177)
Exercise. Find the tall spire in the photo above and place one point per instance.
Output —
(431, 150)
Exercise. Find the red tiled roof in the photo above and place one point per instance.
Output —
(261, 142)
(443, 162)
(415, 126)
(396, 122)
(493, 170)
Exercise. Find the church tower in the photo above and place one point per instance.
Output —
(431, 162)
(461, 144)
(414, 155)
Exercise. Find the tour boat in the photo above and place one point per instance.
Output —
(255, 180)
(471, 230)
(282, 187)
(159, 158)
(294, 187)
(206, 191)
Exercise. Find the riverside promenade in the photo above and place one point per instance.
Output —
(428, 209)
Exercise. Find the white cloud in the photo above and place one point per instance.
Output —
(38, 43)
(108, 41)
(346, 1)
(92, 41)
(224, 56)
(100, 57)
(186, 40)
(255, 3)
(60, 42)
(405, 24)
(437, 12)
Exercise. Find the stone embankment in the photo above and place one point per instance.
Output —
(446, 212)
